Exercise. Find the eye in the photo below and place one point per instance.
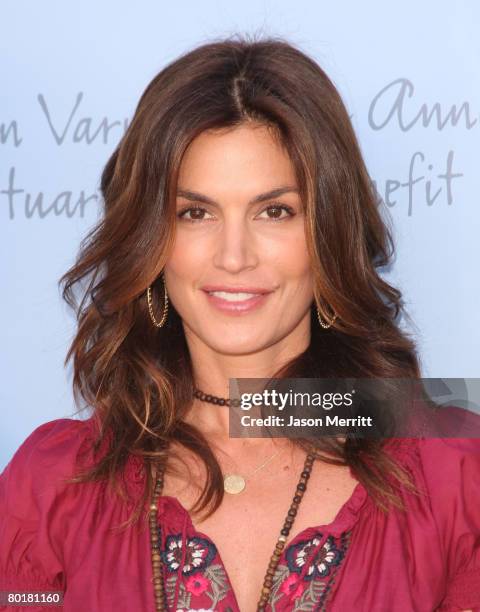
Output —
(278, 208)
(197, 214)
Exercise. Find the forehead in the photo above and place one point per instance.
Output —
(246, 159)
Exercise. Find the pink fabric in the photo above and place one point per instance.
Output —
(56, 537)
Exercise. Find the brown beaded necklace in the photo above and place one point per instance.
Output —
(158, 587)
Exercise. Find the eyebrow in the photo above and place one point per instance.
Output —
(262, 197)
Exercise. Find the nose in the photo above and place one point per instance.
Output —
(235, 246)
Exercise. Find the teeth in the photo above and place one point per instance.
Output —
(232, 297)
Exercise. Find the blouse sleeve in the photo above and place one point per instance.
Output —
(452, 473)
(30, 532)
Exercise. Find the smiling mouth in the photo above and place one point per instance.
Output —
(236, 302)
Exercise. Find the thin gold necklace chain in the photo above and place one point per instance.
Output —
(263, 464)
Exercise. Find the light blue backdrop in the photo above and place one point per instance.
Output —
(409, 73)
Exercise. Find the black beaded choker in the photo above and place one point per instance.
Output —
(213, 399)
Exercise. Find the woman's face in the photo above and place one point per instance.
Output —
(234, 234)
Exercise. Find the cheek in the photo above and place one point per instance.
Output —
(296, 270)
(187, 257)
(292, 256)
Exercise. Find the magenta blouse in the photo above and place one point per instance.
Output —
(55, 537)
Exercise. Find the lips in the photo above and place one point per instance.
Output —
(236, 300)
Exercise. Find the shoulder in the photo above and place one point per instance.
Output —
(450, 447)
(51, 452)
(451, 473)
(450, 456)
(53, 433)
(446, 461)
(60, 438)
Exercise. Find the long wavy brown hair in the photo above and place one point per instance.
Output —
(138, 378)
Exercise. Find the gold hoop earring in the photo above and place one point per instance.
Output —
(324, 325)
(160, 323)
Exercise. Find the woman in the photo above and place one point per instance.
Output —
(240, 239)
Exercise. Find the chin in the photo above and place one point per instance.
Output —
(235, 346)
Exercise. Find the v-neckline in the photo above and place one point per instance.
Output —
(345, 518)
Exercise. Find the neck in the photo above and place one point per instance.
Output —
(213, 371)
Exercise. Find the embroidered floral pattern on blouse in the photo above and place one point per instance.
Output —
(327, 558)
(203, 579)
(309, 592)
(200, 553)
(204, 584)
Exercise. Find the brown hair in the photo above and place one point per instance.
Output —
(138, 378)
